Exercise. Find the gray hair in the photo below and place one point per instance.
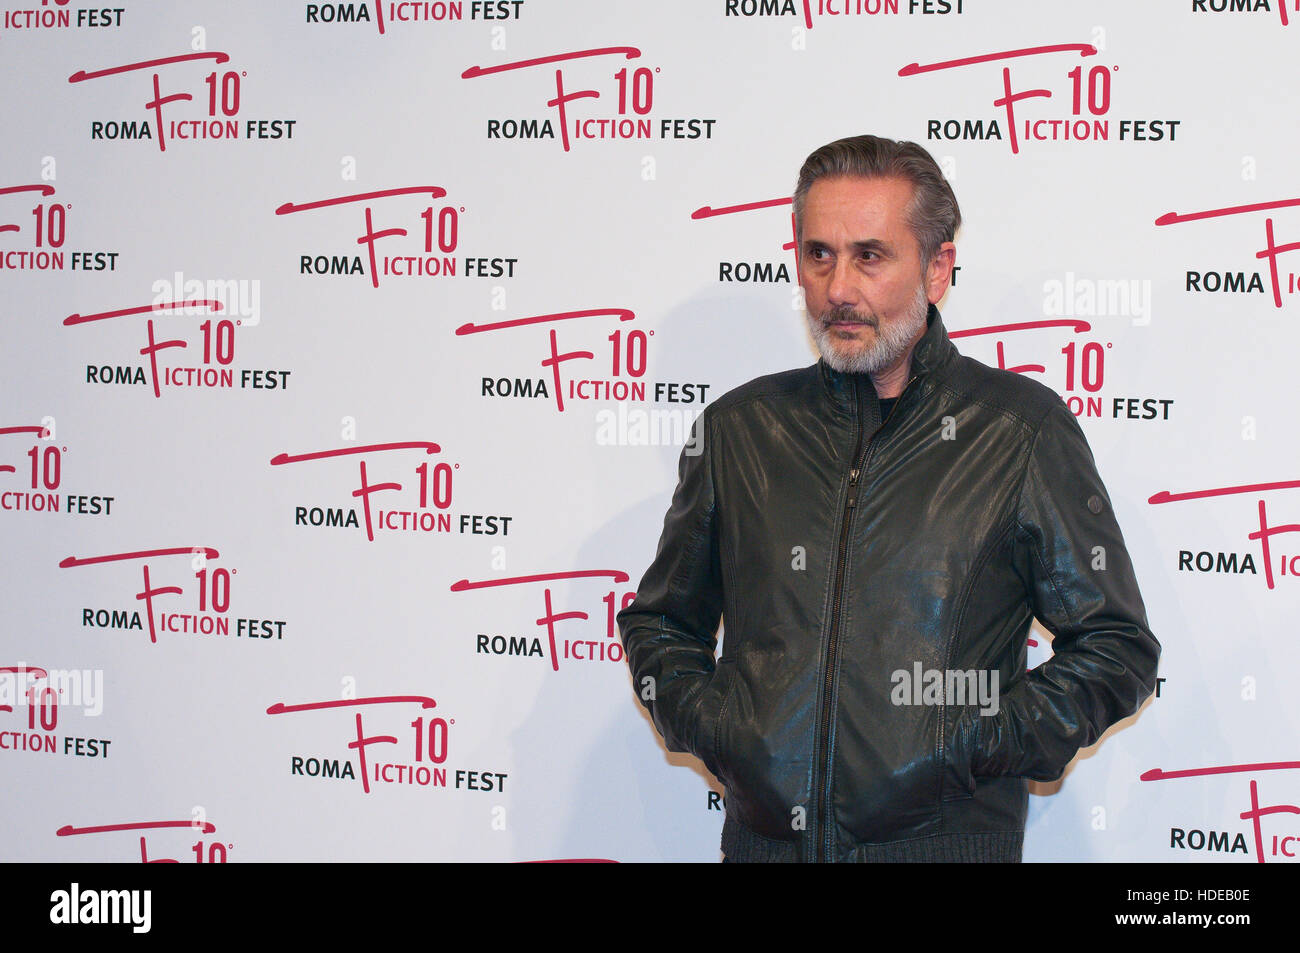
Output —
(932, 215)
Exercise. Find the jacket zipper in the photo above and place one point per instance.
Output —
(821, 785)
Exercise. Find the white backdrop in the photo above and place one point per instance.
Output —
(232, 210)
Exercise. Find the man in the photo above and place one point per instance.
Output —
(878, 531)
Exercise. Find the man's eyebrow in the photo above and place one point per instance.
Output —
(874, 244)
(877, 246)
(866, 244)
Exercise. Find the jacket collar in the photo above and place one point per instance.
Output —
(932, 353)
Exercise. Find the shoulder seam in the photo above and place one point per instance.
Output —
(997, 408)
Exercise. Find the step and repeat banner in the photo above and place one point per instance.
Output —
(348, 350)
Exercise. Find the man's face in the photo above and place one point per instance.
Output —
(865, 291)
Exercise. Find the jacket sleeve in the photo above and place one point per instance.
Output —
(1081, 585)
(669, 632)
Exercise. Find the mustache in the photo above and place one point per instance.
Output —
(844, 314)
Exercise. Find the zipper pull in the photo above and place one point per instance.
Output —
(853, 488)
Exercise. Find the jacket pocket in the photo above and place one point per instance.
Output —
(711, 718)
(961, 740)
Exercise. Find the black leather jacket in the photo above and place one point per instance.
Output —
(841, 551)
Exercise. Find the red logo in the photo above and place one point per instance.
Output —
(1255, 813)
(441, 232)
(1287, 565)
(606, 648)
(635, 91)
(1271, 248)
(214, 852)
(431, 737)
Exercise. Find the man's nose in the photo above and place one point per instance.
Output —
(842, 289)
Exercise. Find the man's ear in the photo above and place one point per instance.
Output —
(938, 274)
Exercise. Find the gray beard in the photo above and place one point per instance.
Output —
(891, 342)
